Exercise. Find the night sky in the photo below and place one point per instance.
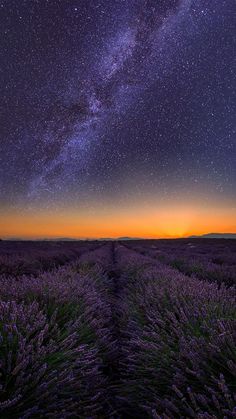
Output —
(118, 117)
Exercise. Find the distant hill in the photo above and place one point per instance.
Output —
(63, 239)
(215, 236)
(129, 238)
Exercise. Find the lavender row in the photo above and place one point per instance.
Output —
(56, 342)
(178, 343)
(35, 257)
(218, 251)
(211, 266)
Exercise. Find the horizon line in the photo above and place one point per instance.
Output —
(69, 238)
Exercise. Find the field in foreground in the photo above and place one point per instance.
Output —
(136, 329)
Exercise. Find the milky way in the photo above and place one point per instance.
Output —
(101, 94)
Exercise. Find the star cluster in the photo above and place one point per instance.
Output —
(117, 99)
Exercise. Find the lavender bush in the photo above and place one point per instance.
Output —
(45, 372)
(179, 338)
(57, 324)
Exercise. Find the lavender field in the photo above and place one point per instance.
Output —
(132, 329)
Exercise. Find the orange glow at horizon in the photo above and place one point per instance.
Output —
(164, 222)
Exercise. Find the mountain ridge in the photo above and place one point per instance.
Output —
(214, 236)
